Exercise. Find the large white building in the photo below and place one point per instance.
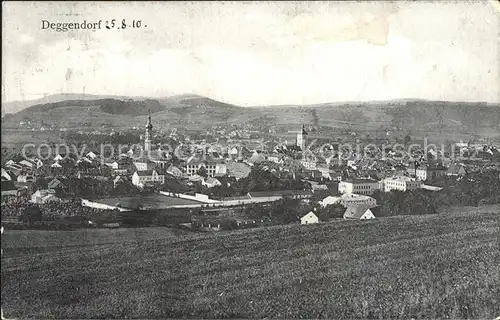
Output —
(401, 183)
(213, 168)
(349, 199)
(141, 178)
(359, 186)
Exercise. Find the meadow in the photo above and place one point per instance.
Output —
(153, 201)
(436, 266)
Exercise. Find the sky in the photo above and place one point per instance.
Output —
(256, 53)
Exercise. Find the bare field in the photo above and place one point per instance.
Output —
(443, 266)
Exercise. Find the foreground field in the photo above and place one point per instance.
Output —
(445, 266)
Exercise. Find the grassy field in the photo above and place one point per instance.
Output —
(443, 266)
(154, 201)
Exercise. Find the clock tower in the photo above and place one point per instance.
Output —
(147, 137)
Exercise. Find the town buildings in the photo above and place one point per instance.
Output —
(212, 167)
(427, 171)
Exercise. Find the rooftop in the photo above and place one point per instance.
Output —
(360, 180)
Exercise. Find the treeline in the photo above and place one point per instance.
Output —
(112, 106)
(94, 140)
(474, 189)
(257, 180)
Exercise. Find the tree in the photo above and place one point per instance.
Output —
(202, 172)
(330, 212)
(31, 214)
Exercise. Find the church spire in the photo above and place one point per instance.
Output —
(149, 125)
(147, 137)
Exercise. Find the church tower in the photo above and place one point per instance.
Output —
(302, 138)
(147, 137)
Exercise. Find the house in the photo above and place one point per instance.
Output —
(431, 188)
(113, 165)
(174, 171)
(26, 178)
(401, 183)
(256, 158)
(195, 178)
(233, 152)
(211, 182)
(427, 171)
(351, 199)
(140, 165)
(8, 175)
(120, 172)
(358, 212)
(92, 155)
(456, 170)
(358, 186)
(9, 189)
(56, 165)
(57, 183)
(276, 158)
(119, 180)
(13, 166)
(26, 163)
(140, 178)
(10, 162)
(309, 164)
(329, 200)
(319, 187)
(41, 196)
(309, 218)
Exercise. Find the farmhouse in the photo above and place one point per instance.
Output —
(309, 218)
(358, 212)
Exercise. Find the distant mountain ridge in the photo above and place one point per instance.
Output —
(195, 111)
(191, 100)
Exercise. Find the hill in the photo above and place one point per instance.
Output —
(441, 266)
(17, 106)
(415, 117)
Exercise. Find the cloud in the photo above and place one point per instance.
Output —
(266, 53)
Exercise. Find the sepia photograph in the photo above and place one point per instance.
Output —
(250, 160)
